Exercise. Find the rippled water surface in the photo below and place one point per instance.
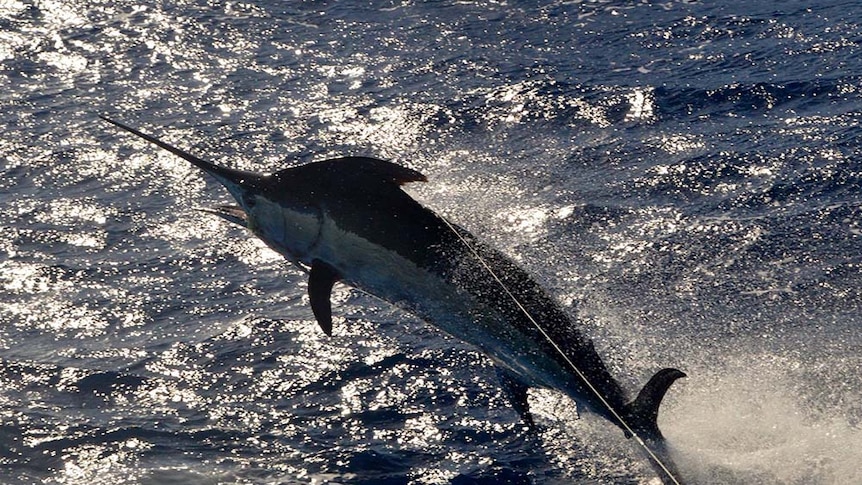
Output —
(683, 177)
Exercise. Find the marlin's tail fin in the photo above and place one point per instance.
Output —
(642, 413)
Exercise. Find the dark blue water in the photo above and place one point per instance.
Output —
(684, 177)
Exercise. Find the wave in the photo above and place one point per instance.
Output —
(791, 98)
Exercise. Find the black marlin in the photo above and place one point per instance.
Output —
(347, 219)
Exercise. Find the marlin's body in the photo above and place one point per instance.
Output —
(348, 220)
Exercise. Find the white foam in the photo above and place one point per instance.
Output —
(747, 424)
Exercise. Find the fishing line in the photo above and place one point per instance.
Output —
(556, 347)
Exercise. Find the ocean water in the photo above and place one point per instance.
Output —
(683, 176)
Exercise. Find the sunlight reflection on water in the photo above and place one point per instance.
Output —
(218, 371)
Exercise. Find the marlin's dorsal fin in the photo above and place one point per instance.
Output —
(320, 282)
(355, 170)
(642, 413)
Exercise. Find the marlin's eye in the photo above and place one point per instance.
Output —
(249, 201)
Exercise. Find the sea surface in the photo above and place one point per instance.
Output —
(684, 177)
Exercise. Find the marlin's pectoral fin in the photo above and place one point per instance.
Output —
(320, 282)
